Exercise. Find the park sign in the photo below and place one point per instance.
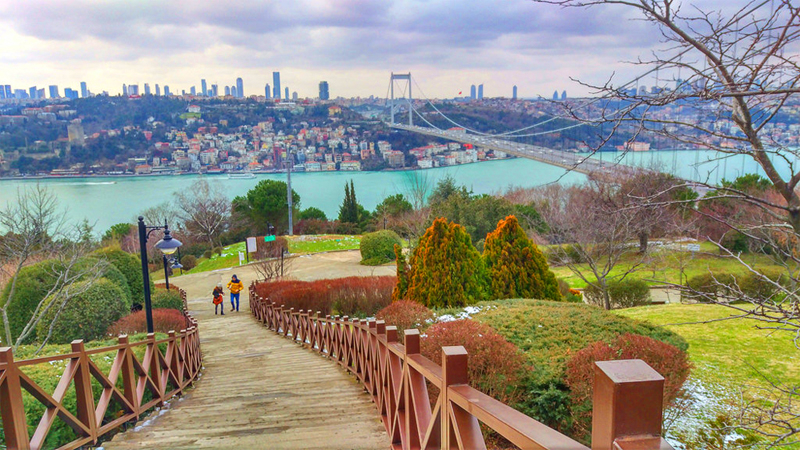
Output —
(269, 238)
(693, 247)
(251, 245)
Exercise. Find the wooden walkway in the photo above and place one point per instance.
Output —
(257, 391)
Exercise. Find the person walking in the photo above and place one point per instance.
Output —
(217, 293)
(235, 286)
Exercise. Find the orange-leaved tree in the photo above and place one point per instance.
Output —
(445, 268)
(516, 267)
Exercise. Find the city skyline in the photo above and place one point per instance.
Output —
(536, 47)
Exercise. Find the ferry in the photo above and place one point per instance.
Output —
(241, 176)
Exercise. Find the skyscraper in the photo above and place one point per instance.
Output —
(240, 87)
(215, 90)
(70, 93)
(158, 90)
(286, 93)
(234, 92)
(133, 89)
(2, 92)
(39, 93)
(276, 85)
(555, 95)
(563, 95)
(227, 91)
(267, 91)
(294, 96)
(166, 91)
(32, 92)
(514, 93)
(124, 89)
(480, 92)
(203, 87)
(324, 94)
(53, 91)
(9, 93)
(472, 92)
(84, 91)
(147, 89)
(193, 91)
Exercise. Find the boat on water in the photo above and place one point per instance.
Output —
(241, 176)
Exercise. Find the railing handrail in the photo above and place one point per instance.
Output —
(396, 374)
(179, 366)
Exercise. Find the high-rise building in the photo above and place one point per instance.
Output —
(480, 92)
(473, 92)
(147, 89)
(158, 90)
(53, 91)
(9, 92)
(2, 92)
(227, 91)
(166, 91)
(555, 95)
(514, 93)
(70, 93)
(124, 89)
(563, 95)
(643, 90)
(20, 94)
(324, 94)
(294, 96)
(267, 91)
(193, 91)
(32, 92)
(203, 87)
(84, 90)
(215, 90)
(39, 93)
(133, 89)
(286, 93)
(276, 85)
(234, 92)
(240, 87)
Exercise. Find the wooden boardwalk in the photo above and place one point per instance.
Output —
(257, 391)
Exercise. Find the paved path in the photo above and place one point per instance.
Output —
(259, 390)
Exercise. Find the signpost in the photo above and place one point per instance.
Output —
(693, 248)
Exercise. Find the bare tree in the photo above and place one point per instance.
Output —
(204, 210)
(271, 264)
(417, 187)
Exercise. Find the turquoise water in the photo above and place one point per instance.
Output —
(106, 201)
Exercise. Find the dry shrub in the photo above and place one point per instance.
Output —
(671, 362)
(405, 314)
(351, 296)
(495, 365)
(164, 320)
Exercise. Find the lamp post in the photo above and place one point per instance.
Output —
(168, 245)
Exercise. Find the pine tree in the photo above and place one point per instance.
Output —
(349, 211)
(445, 268)
(401, 288)
(516, 267)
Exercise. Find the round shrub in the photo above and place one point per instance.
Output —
(33, 283)
(217, 251)
(86, 316)
(164, 321)
(495, 365)
(563, 287)
(708, 287)
(672, 363)
(763, 285)
(166, 299)
(130, 266)
(624, 294)
(110, 272)
(189, 262)
(405, 314)
(207, 254)
(378, 248)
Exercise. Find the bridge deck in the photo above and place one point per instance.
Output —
(259, 390)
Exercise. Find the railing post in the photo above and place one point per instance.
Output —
(15, 425)
(83, 390)
(454, 371)
(128, 375)
(628, 400)
(411, 348)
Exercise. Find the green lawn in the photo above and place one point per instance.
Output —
(665, 266)
(323, 243)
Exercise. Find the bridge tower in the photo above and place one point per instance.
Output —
(407, 78)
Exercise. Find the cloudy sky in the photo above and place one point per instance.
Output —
(353, 44)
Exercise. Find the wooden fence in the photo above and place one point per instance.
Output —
(628, 394)
(161, 374)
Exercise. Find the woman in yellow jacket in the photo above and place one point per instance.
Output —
(235, 286)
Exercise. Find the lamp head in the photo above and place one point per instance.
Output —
(168, 245)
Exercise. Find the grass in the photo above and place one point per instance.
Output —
(729, 353)
(665, 266)
(323, 243)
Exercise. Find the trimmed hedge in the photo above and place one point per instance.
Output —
(378, 248)
(87, 316)
(130, 266)
(624, 294)
(166, 299)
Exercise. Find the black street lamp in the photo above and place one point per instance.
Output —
(168, 245)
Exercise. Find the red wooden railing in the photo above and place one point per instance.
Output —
(627, 394)
(162, 374)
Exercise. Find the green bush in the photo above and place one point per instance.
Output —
(207, 254)
(189, 262)
(763, 285)
(709, 287)
(624, 294)
(549, 333)
(378, 248)
(33, 283)
(130, 266)
(86, 316)
(168, 299)
(563, 287)
(217, 251)
(109, 271)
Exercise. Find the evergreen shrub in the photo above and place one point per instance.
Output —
(624, 294)
(166, 299)
(378, 248)
(130, 266)
(189, 262)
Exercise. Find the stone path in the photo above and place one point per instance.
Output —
(259, 390)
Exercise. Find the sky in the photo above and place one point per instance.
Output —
(447, 45)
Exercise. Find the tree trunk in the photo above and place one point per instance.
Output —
(643, 240)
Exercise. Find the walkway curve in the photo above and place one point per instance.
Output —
(258, 390)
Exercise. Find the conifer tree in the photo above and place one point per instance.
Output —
(515, 266)
(401, 288)
(349, 211)
(445, 268)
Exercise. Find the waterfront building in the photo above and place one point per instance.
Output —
(480, 92)
(84, 90)
(240, 87)
(53, 91)
(203, 87)
(324, 94)
(276, 85)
